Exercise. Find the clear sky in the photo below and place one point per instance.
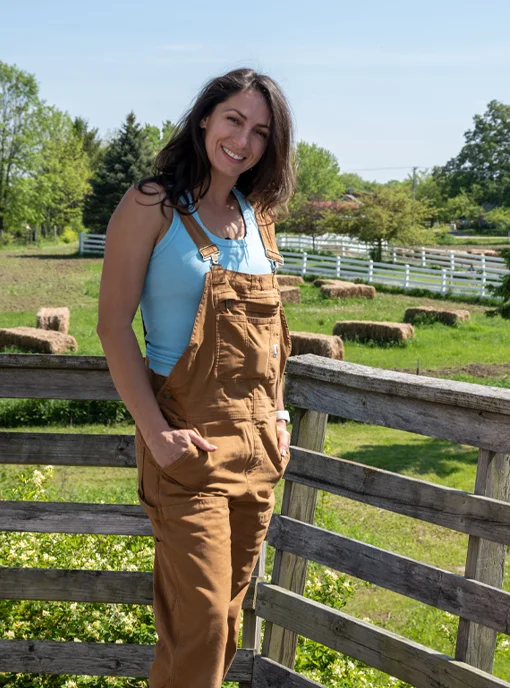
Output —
(381, 84)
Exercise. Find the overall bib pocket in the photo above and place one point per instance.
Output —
(247, 339)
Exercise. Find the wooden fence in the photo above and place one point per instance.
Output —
(460, 412)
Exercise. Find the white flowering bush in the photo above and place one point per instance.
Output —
(65, 621)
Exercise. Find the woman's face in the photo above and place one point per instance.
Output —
(237, 133)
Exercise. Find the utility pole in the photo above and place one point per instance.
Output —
(414, 194)
(414, 182)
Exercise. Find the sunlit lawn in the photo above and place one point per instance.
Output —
(36, 280)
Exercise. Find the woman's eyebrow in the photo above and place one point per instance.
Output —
(266, 126)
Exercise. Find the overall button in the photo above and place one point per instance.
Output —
(166, 395)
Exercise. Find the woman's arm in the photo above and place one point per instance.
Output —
(130, 238)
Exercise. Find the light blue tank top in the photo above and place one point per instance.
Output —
(175, 280)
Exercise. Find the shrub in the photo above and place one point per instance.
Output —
(69, 235)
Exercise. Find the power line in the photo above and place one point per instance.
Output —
(375, 169)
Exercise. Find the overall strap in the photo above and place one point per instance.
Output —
(205, 246)
(267, 232)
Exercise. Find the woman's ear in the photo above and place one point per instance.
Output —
(203, 122)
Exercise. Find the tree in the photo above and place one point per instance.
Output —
(482, 168)
(127, 159)
(59, 183)
(350, 181)
(159, 137)
(461, 207)
(19, 114)
(317, 174)
(91, 142)
(499, 218)
(304, 217)
(389, 215)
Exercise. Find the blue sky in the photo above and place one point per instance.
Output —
(381, 84)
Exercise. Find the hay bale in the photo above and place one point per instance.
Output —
(338, 289)
(320, 281)
(326, 345)
(483, 252)
(290, 294)
(447, 316)
(54, 319)
(366, 330)
(289, 280)
(37, 340)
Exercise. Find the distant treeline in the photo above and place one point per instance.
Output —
(58, 176)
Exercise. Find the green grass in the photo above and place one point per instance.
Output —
(480, 340)
(476, 351)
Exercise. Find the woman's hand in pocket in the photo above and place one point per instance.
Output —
(283, 438)
(169, 445)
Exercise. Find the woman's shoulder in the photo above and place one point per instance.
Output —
(153, 196)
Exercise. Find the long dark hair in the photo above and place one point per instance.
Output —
(183, 165)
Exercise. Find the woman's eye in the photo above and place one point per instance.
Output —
(263, 134)
(233, 119)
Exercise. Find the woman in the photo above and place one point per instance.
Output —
(211, 439)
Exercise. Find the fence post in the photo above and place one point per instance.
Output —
(484, 275)
(476, 644)
(423, 257)
(370, 271)
(303, 266)
(443, 281)
(452, 260)
(299, 501)
(252, 624)
(81, 243)
(406, 277)
(338, 265)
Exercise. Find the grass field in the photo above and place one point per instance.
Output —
(477, 351)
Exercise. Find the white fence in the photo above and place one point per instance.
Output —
(419, 255)
(91, 244)
(442, 280)
(424, 268)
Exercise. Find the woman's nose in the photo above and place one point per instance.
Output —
(242, 139)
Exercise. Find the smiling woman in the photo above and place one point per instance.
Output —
(251, 113)
(195, 246)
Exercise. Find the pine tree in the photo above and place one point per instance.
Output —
(127, 159)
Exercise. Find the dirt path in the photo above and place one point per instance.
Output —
(44, 278)
(482, 370)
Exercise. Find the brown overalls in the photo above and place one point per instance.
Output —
(210, 510)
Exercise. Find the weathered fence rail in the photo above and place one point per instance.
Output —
(460, 412)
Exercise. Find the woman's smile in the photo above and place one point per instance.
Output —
(231, 155)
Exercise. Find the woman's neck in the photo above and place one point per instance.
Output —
(219, 193)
